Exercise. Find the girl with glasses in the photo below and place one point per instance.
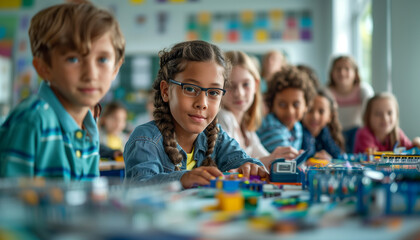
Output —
(184, 142)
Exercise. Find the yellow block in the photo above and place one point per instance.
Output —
(230, 202)
(10, 3)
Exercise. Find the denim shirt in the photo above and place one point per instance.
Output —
(323, 141)
(146, 160)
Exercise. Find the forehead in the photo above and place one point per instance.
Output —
(202, 73)
(321, 101)
(343, 63)
(240, 74)
(383, 103)
(290, 94)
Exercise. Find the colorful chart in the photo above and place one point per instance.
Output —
(250, 26)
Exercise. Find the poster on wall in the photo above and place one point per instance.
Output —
(250, 26)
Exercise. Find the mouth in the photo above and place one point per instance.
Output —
(197, 118)
(88, 90)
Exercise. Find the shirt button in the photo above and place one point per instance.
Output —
(79, 134)
(78, 153)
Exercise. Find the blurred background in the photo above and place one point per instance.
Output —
(382, 36)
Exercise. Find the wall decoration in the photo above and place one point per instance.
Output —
(250, 27)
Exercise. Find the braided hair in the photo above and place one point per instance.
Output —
(172, 62)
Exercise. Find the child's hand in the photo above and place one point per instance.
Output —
(200, 176)
(252, 169)
(323, 155)
(416, 142)
(287, 153)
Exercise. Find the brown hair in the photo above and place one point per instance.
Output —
(334, 125)
(289, 77)
(312, 75)
(109, 109)
(331, 82)
(73, 26)
(172, 62)
(253, 116)
(265, 60)
(394, 136)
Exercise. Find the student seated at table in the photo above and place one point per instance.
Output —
(184, 142)
(78, 50)
(381, 131)
(321, 128)
(289, 93)
(241, 112)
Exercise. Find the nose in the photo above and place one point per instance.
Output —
(201, 101)
(238, 91)
(89, 70)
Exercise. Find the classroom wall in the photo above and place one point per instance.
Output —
(405, 52)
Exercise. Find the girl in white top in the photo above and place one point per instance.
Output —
(242, 110)
(351, 95)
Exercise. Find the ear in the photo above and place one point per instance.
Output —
(117, 68)
(164, 90)
(42, 68)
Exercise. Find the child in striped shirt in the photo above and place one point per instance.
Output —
(78, 50)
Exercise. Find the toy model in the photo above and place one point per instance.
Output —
(288, 172)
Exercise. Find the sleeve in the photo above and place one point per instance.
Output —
(272, 136)
(19, 148)
(404, 140)
(143, 163)
(258, 150)
(229, 154)
(363, 141)
(308, 142)
(329, 145)
(225, 121)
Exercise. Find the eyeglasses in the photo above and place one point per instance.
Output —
(192, 90)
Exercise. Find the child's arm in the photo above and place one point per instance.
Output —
(364, 140)
(18, 148)
(200, 176)
(416, 142)
(147, 162)
(229, 155)
(287, 153)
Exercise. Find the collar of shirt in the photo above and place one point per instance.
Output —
(66, 120)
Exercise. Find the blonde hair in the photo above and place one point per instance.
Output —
(394, 136)
(172, 62)
(253, 116)
(331, 82)
(73, 26)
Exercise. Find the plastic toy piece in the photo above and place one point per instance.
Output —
(283, 171)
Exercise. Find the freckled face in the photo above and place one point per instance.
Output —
(289, 106)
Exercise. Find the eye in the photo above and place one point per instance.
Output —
(72, 59)
(296, 104)
(282, 104)
(103, 60)
(214, 92)
(190, 89)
